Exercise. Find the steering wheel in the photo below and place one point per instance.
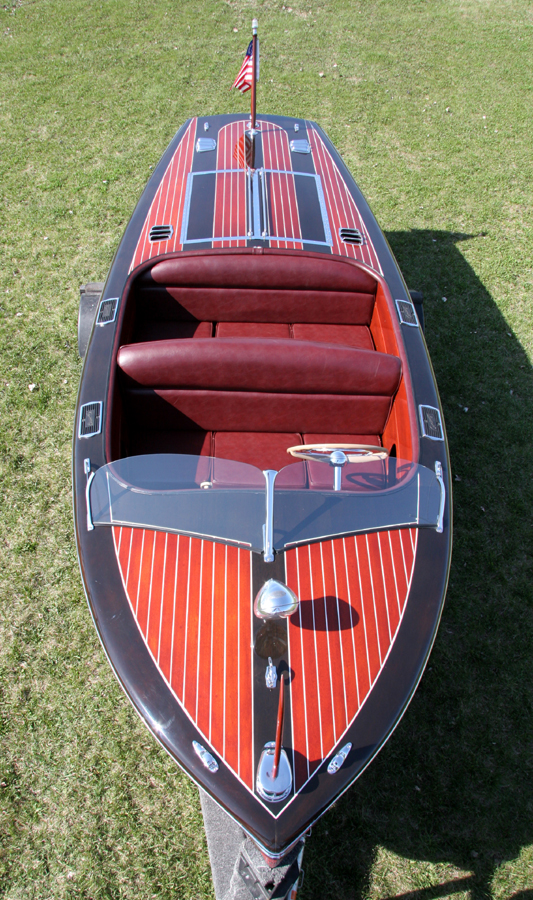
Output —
(330, 453)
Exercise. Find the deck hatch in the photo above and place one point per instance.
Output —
(90, 419)
(407, 313)
(107, 311)
(351, 236)
(160, 233)
(255, 190)
(431, 423)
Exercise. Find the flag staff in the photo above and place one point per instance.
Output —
(255, 26)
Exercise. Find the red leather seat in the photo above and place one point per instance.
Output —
(261, 365)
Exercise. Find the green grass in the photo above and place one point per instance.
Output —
(430, 103)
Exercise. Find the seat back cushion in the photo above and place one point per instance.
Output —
(256, 288)
(274, 365)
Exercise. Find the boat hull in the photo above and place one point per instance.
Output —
(354, 662)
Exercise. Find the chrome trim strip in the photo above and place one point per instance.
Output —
(249, 203)
(438, 472)
(268, 547)
(323, 210)
(186, 209)
(262, 175)
(256, 195)
(246, 237)
(330, 537)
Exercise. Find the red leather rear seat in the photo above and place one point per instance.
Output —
(263, 365)
(276, 374)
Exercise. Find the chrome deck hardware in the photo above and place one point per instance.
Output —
(440, 479)
(207, 758)
(431, 423)
(337, 459)
(203, 145)
(90, 475)
(271, 675)
(275, 601)
(339, 759)
(273, 789)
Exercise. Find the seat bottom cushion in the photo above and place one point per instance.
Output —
(350, 335)
(253, 329)
(155, 440)
(266, 450)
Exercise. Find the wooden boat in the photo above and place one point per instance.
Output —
(249, 311)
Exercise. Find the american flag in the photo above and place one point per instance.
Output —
(244, 79)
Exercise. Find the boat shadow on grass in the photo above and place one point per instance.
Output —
(454, 785)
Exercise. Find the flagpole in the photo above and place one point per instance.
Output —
(255, 26)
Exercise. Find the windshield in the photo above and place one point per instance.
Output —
(225, 501)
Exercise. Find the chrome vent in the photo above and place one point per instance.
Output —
(107, 311)
(160, 233)
(90, 419)
(300, 146)
(351, 236)
(431, 423)
(205, 144)
(406, 312)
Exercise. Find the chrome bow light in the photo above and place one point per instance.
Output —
(275, 601)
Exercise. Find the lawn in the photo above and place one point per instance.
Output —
(429, 101)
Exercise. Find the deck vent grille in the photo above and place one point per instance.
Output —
(90, 419)
(203, 145)
(160, 233)
(406, 312)
(351, 236)
(107, 311)
(300, 146)
(431, 423)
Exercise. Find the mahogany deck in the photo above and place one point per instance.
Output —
(229, 216)
(192, 601)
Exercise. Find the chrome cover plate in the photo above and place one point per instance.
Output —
(107, 311)
(205, 144)
(431, 423)
(407, 313)
(90, 419)
(300, 146)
